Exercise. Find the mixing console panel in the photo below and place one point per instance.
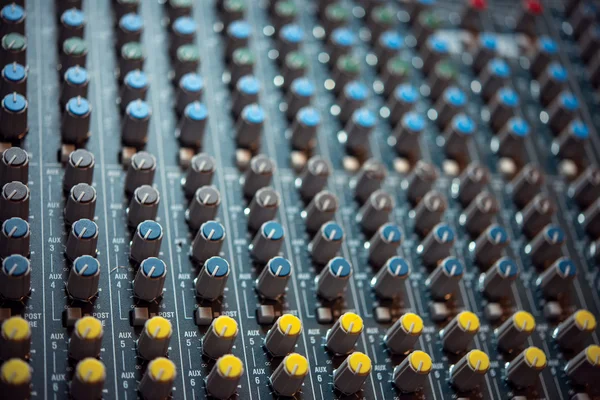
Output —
(297, 198)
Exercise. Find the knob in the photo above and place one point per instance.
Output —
(558, 278)
(369, 179)
(388, 283)
(134, 127)
(12, 19)
(342, 337)
(444, 280)
(574, 331)
(515, 331)
(485, 50)
(283, 13)
(327, 242)
(14, 238)
(190, 89)
(380, 19)
(436, 48)
(220, 337)
(14, 201)
(402, 336)
(146, 241)
(267, 241)
(14, 49)
(352, 97)
(526, 21)
(333, 279)
(344, 71)
(510, 141)
(75, 84)
(13, 116)
(459, 332)
(407, 134)
(480, 213)
(122, 7)
(571, 142)
(503, 106)
(263, 207)
(14, 79)
(536, 215)
(76, 121)
(79, 169)
(15, 338)
(384, 244)
(525, 369)
(469, 372)
(129, 29)
(388, 44)
(272, 281)
(314, 177)
(411, 374)
(140, 171)
(498, 280)
(15, 379)
(420, 181)
(452, 102)
(494, 76)
(154, 339)
(15, 278)
(471, 182)
(544, 51)
(143, 205)
(585, 189)
(135, 86)
(553, 81)
(187, 59)
(246, 93)
(258, 175)
(203, 207)
(183, 31)
(490, 245)
(583, 368)
(84, 277)
(321, 209)
(288, 377)
(527, 184)
(351, 375)
(395, 72)
(283, 335)
(299, 96)
(88, 380)
(74, 52)
(157, 382)
(242, 64)
(443, 75)
(223, 379)
(14, 165)
(212, 278)
(546, 246)
(294, 66)
(208, 241)
(192, 125)
(340, 43)
(72, 24)
(150, 279)
(562, 111)
(86, 339)
(289, 39)
(249, 127)
(81, 203)
(403, 100)
(429, 212)
(376, 211)
(238, 35)
(82, 240)
(131, 58)
(437, 244)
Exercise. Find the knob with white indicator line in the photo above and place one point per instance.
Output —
(429, 211)
(258, 175)
(384, 244)
(283, 335)
(15, 237)
(469, 372)
(471, 182)
(314, 177)
(140, 171)
(546, 246)
(267, 241)
(203, 207)
(527, 184)
(79, 169)
(88, 380)
(135, 86)
(443, 282)
(574, 331)
(515, 331)
(200, 173)
(86, 339)
(146, 241)
(263, 207)
(537, 214)
(333, 279)
(584, 368)
(150, 279)
(14, 165)
(342, 337)
(208, 241)
(273, 279)
(15, 277)
(460, 331)
(220, 337)
(326, 243)
(288, 377)
(76, 121)
(376, 211)
(411, 374)
(15, 338)
(480, 213)
(388, 283)
(134, 128)
(155, 338)
(190, 89)
(420, 181)
(437, 244)
(15, 379)
(490, 245)
(498, 280)
(143, 205)
(351, 375)
(558, 278)
(84, 278)
(192, 125)
(212, 279)
(82, 240)
(81, 203)
(320, 210)
(304, 128)
(14, 201)
(369, 179)
(525, 369)
(404, 334)
(157, 382)
(223, 379)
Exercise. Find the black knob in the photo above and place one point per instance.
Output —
(129, 29)
(314, 177)
(258, 175)
(81, 203)
(183, 31)
(131, 58)
(72, 24)
(14, 201)
(76, 121)
(200, 173)
(135, 122)
(14, 79)
(187, 59)
(420, 181)
(192, 125)
(13, 117)
(143, 205)
(249, 127)
(190, 89)
(14, 165)
(79, 169)
(140, 172)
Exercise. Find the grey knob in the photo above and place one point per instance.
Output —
(79, 169)
(203, 207)
(84, 278)
(208, 241)
(201, 172)
(150, 279)
(81, 203)
(14, 201)
(321, 209)
(314, 177)
(143, 205)
(384, 244)
(259, 174)
(140, 172)
(263, 207)
(429, 211)
(273, 279)
(14, 166)
(420, 181)
(327, 242)
(212, 278)
(369, 179)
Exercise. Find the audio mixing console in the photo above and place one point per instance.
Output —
(318, 199)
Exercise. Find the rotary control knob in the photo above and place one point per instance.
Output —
(389, 281)
(272, 281)
(15, 337)
(140, 172)
(203, 207)
(404, 334)
(223, 379)
(333, 279)
(192, 125)
(155, 338)
(369, 179)
(150, 279)
(15, 278)
(525, 369)
(469, 372)
(212, 279)
(81, 203)
(342, 337)
(14, 237)
(267, 241)
(283, 335)
(263, 207)
(490, 245)
(515, 331)
(14, 79)
(208, 241)
(437, 244)
(157, 382)
(351, 375)
(429, 212)
(460, 331)
(288, 377)
(135, 123)
(326, 243)
(376, 211)
(220, 337)
(84, 277)
(321, 209)
(258, 175)
(420, 181)
(14, 201)
(143, 205)
(82, 240)
(86, 339)
(14, 165)
(575, 330)
(88, 380)
(13, 117)
(146, 241)
(75, 84)
(76, 121)
(79, 169)
(411, 374)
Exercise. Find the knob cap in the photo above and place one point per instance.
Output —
(272, 281)
(203, 207)
(515, 331)
(326, 243)
(189, 90)
(192, 125)
(150, 280)
(135, 86)
(14, 201)
(14, 166)
(14, 79)
(134, 128)
(351, 375)
(321, 209)
(490, 245)
(220, 337)
(13, 116)
(143, 205)
(437, 244)
(223, 379)
(429, 212)
(370, 179)
(333, 279)
(16, 379)
(84, 278)
(258, 175)
(79, 169)
(288, 377)
(81, 203)
(342, 337)
(389, 281)
(263, 207)
(15, 278)
(469, 372)
(88, 380)
(146, 241)
(459, 332)
(82, 240)
(411, 374)
(384, 244)
(86, 339)
(499, 279)
(140, 171)
(402, 336)
(14, 237)
(208, 241)
(267, 241)
(157, 382)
